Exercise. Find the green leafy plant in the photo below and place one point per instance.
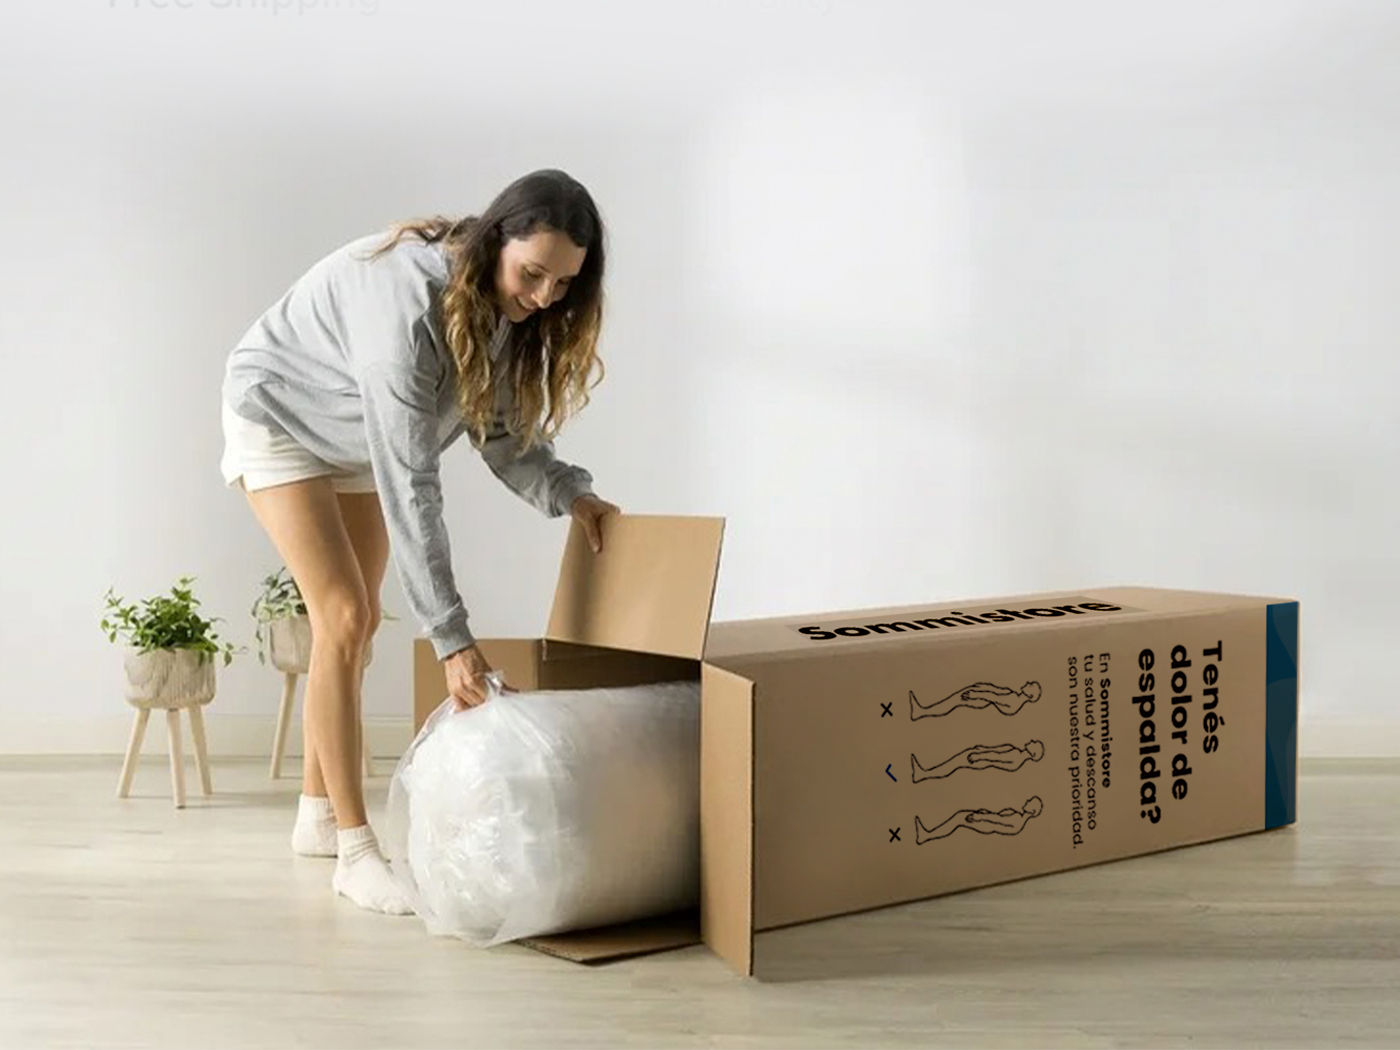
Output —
(280, 597)
(165, 622)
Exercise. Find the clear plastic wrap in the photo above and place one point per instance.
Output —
(547, 811)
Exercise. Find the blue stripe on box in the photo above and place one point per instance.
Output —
(1281, 716)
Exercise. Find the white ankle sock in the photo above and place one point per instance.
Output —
(363, 875)
(314, 832)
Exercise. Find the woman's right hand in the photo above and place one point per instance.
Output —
(466, 677)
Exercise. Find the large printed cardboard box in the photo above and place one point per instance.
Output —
(863, 758)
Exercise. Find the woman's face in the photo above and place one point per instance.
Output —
(535, 272)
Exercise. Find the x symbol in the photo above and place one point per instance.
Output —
(887, 710)
(894, 834)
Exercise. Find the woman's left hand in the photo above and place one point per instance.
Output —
(588, 509)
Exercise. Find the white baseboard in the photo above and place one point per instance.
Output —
(229, 736)
(250, 736)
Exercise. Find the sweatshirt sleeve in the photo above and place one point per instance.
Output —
(538, 477)
(401, 428)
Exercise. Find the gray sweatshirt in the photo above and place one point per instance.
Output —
(352, 363)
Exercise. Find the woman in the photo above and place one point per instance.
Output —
(338, 404)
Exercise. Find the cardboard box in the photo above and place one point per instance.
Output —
(863, 758)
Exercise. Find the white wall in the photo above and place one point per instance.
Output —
(930, 300)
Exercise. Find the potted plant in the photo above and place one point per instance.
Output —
(283, 630)
(170, 648)
(170, 661)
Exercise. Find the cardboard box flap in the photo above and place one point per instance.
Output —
(727, 816)
(649, 590)
(642, 937)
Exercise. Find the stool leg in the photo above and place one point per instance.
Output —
(284, 722)
(201, 748)
(133, 751)
(177, 757)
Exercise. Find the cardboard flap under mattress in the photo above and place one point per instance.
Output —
(664, 932)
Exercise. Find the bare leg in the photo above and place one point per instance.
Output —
(364, 521)
(333, 713)
(307, 524)
(304, 521)
(312, 782)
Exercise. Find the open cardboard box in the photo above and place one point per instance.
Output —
(862, 758)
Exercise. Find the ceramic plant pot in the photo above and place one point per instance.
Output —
(169, 678)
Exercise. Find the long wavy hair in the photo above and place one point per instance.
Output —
(553, 353)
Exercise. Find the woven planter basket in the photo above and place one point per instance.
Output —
(168, 678)
(289, 644)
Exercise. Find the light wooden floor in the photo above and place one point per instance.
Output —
(128, 924)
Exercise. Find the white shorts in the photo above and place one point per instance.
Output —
(260, 457)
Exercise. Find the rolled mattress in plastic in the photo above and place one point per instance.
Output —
(543, 812)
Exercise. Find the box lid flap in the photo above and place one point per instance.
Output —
(650, 589)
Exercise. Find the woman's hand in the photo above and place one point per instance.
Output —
(466, 677)
(588, 509)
